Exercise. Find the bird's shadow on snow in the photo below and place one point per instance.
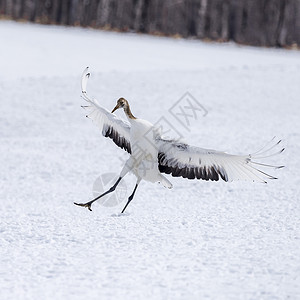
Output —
(115, 215)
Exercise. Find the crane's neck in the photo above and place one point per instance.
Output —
(128, 112)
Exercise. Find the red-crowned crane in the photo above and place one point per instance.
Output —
(151, 155)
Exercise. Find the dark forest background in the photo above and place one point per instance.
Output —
(274, 23)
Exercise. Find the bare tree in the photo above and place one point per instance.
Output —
(254, 22)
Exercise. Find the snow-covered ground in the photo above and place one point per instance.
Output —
(200, 240)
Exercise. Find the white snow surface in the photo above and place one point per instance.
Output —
(200, 240)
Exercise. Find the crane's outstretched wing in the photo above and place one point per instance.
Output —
(110, 124)
(179, 159)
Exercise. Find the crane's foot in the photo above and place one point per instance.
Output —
(88, 205)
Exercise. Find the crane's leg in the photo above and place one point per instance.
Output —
(89, 204)
(125, 170)
(131, 196)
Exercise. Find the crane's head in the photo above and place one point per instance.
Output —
(123, 103)
(120, 103)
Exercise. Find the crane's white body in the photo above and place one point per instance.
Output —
(143, 160)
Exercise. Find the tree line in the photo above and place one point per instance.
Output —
(274, 23)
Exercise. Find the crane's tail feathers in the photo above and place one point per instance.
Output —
(165, 182)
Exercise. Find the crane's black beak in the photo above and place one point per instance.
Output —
(116, 107)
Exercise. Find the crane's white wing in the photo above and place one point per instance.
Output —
(110, 125)
(179, 159)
